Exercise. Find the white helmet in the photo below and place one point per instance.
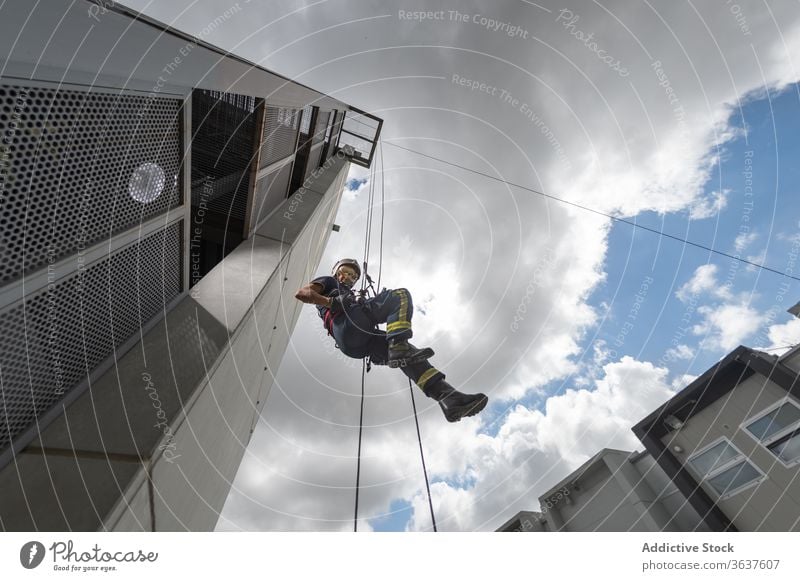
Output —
(352, 262)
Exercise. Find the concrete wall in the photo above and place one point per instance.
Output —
(773, 504)
(792, 359)
(645, 501)
(155, 443)
(679, 514)
(524, 522)
(618, 491)
(599, 504)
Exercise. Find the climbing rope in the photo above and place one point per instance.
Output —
(358, 466)
(364, 361)
(364, 364)
(422, 455)
(383, 207)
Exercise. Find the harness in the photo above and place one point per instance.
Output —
(327, 322)
(328, 318)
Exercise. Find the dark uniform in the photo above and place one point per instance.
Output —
(355, 327)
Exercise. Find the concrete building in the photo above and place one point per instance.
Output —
(160, 203)
(612, 491)
(722, 455)
(730, 442)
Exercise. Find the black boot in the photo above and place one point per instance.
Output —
(402, 353)
(454, 404)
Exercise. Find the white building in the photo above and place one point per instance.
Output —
(612, 491)
(723, 454)
(161, 202)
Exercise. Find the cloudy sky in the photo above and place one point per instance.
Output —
(681, 117)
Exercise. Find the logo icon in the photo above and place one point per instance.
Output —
(31, 554)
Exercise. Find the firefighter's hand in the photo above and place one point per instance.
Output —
(304, 295)
(309, 294)
(337, 304)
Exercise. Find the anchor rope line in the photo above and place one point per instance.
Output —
(368, 237)
(364, 361)
(599, 213)
(383, 208)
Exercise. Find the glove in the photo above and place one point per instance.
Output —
(337, 304)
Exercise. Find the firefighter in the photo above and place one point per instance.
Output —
(353, 323)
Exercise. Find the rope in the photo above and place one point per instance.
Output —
(367, 240)
(360, 430)
(368, 236)
(383, 209)
(593, 211)
(364, 361)
(422, 455)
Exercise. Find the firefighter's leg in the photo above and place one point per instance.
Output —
(354, 333)
(379, 349)
(423, 374)
(455, 405)
(396, 308)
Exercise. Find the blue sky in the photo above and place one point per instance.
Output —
(772, 128)
(395, 518)
(354, 183)
(641, 315)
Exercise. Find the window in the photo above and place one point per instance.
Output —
(778, 430)
(725, 469)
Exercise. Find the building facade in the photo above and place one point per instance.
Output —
(731, 442)
(723, 454)
(161, 201)
(612, 491)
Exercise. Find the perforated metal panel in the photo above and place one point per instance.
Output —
(223, 143)
(57, 335)
(280, 134)
(305, 122)
(243, 102)
(68, 173)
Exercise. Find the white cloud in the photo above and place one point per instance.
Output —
(726, 326)
(783, 335)
(782, 71)
(728, 320)
(679, 352)
(744, 240)
(683, 380)
(703, 280)
(534, 449)
(756, 259)
(709, 206)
